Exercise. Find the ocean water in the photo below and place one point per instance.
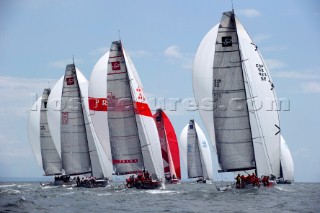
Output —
(184, 197)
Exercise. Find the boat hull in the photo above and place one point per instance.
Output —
(145, 184)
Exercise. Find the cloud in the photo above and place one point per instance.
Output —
(174, 54)
(274, 64)
(249, 13)
(311, 87)
(18, 94)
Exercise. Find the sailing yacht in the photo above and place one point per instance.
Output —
(195, 153)
(40, 137)
(65, 141)
(79, 153)
(123, 120)
(242, 120)
(286, 166)
(169, 147)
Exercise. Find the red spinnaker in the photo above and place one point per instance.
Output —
(172, 142)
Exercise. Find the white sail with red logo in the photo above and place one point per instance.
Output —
(126, 128)
(75, 102)
(169, 145)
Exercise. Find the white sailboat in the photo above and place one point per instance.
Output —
(65, 117)
(237, 100)
(122, 117)
(195, 153)
(79, 151)
(40, 137)
(286, 167)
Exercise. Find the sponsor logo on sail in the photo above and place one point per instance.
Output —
(227, 41)
(115, 65)
(70, 80)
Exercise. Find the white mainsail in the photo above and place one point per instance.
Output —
(229, 76)
(195, 152)
(51, 161)
(74, 143)
(40, 137)
(287, 168)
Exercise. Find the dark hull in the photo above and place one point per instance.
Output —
(283, 182)
(147, 184)
(93, 184)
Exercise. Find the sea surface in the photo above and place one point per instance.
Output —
(184, 197)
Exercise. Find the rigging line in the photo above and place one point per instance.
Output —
(119, 35)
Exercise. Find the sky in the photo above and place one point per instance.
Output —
(38, 38)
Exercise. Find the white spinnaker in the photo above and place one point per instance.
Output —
(264, 93)
(203, 145)
(98, 91)
(148, 132)
(286, 161)
(53, 113)
(202, 82)
(34, 130)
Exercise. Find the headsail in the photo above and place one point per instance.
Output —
(169, 144)
(97, 98)
(287, 167)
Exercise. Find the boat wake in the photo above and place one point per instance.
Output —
(282, 189)
(162, 192)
